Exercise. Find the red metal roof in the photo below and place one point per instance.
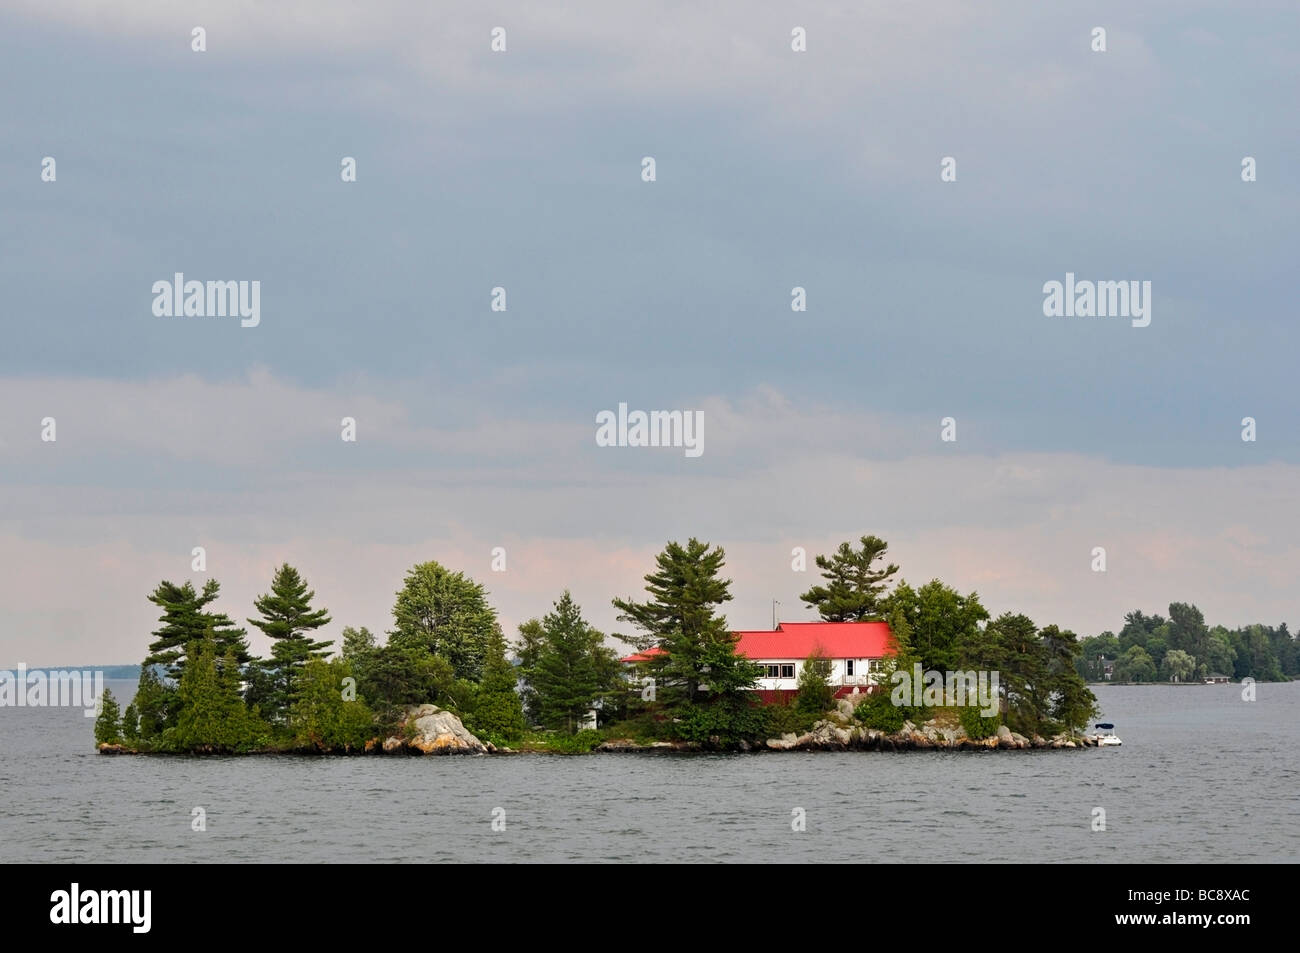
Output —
(795, 640)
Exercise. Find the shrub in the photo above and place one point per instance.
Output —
(108, 726)
(880, 713)
(579, 743)
(976, 725)
(790, 719)
(814, 694)
(723, 723)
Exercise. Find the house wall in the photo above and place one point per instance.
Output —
(838, 677)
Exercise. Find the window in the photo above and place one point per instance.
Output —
(849, 667)
(787, 671)
(773, 671)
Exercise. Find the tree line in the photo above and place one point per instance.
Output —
(1183, 648)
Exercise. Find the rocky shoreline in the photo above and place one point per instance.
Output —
(828, 736)
(430, 730)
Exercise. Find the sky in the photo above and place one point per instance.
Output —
(523, 169)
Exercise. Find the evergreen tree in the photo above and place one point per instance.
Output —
(1011, 645)
(815, 695)
(529, 653)
(108, 724)
(854, 585)
(497, 711)
(447, 615)
(568, 672)
(185, 619)
(322, 719)
(131, 724)
(155, 702)
(1073, 704)
(681, 617)
(212, 716)
(288, 619)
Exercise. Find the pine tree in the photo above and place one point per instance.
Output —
(853, 587)
(108, 724)
(567, 672)
(130, 724)
(681, 619)
(529, 652)
(155, 702)
(185, 619)
(497, 711)
(287, 618)
(212, 716)
(1073, 705)
(815, 694)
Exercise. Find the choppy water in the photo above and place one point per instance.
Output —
(1202, 776)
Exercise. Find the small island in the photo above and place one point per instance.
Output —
(890, 667)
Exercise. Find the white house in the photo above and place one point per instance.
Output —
(855, 650)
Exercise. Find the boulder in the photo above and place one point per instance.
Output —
(845, 707)
(433, 730)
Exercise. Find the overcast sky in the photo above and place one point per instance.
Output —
(522, 169)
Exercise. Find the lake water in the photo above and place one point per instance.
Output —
(1202, 776)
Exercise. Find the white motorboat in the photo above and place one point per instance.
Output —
(1106, 736)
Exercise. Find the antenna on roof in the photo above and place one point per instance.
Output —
(774, 605)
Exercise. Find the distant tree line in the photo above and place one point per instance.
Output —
(1183, 648)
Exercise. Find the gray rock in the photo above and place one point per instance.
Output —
(436, 731)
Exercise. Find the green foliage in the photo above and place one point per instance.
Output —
(853, 588)
(1179, 665)
(566, 665)
(681, 618)
(130, 724)
(942, 624)
(155, 702)
(975, 724)
(580, 743)
(878, 712)
(212, 716)
(790, 719)
(1135, 665)
(322, 718)
(497, 714)
(287, 620)
(393, 676)
(108, 724)
(529, 653)
(185, 619)
(723, 722)
(815, 695)
(446, 615)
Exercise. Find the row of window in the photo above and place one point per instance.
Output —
(786, 669)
